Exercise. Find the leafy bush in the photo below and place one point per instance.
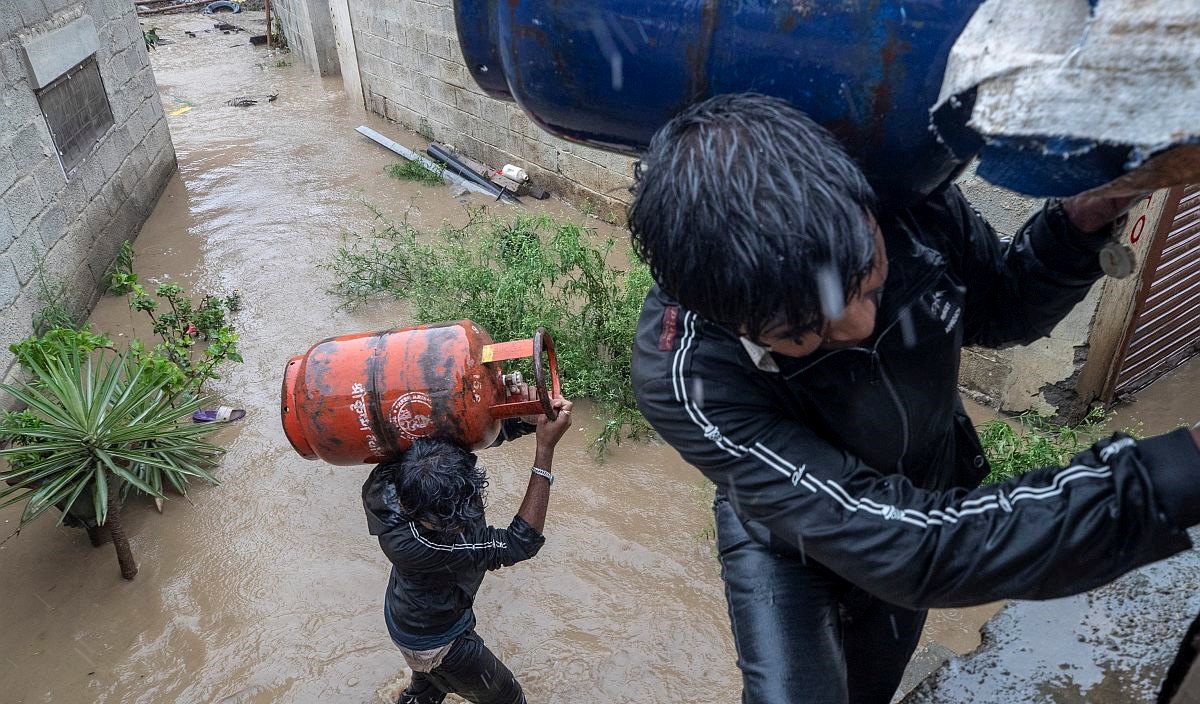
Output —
(1035, 443)
(175, 364)
(511, 278)
(38, 350)
(121, 276)
(181, 328)
(278, 38)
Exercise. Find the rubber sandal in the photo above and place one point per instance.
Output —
(222, 414)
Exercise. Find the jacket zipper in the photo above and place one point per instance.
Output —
(882, 373)
(919, 290)
(878, 373)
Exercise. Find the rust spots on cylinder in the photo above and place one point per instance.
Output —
(359, 399)
(699, 50)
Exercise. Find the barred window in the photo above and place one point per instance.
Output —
(77, 111)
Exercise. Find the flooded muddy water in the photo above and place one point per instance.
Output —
(268, 588)
(1170, 402)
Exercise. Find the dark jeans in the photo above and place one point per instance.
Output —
(469, 670)
(802, 633)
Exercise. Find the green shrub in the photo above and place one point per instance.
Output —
(38, 350)
(1035, 443)
(194, 339)
(93, 428)
(122, 272)
(512, 278)
(52, 311)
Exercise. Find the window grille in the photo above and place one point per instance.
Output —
(77, 111)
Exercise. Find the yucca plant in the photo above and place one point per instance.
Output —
(95, 425)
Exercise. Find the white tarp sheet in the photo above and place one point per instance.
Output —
(1126, 72)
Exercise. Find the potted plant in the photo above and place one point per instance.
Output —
(95, 425)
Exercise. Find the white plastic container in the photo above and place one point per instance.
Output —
(516, 173)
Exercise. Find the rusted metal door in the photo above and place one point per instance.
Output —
(1166, 322)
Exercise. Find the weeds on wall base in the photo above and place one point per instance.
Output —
(414, 171)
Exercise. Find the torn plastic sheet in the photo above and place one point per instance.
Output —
(1065, 96)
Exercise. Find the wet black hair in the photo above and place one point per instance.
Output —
(438, 483)
(745, 210)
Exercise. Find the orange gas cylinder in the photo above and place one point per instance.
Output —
(359, 399)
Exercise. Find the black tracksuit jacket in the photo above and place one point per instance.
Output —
(435, 576)
(864, 460)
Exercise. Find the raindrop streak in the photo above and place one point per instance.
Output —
(829, 289)
(608, 47)
(908, 331)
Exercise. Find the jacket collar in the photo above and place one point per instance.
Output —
(912, 268)
(761, 356)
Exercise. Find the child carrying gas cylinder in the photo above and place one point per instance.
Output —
(427, 509)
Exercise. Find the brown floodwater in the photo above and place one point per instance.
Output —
(268, 588)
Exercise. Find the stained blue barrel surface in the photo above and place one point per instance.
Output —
(608, 73)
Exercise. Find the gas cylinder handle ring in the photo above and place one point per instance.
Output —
(542, 341)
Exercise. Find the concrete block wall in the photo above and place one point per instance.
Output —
(308, 27)
(413, 72)
(73, 223)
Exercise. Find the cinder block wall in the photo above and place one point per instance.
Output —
(308, 27)
(413, 72)
(74, 223)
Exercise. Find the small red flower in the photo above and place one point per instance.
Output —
(192, 330)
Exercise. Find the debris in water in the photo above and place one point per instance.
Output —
(153, 7)
(245, 101)
(413, 156)
(222, 6)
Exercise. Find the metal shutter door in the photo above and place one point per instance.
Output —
(1166, 327)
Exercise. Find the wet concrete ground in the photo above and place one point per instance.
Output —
(1109, 646)
(268, 588)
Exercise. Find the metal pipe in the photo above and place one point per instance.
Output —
(452, 161)
(413, 156)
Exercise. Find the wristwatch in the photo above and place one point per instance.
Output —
(543, 473)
